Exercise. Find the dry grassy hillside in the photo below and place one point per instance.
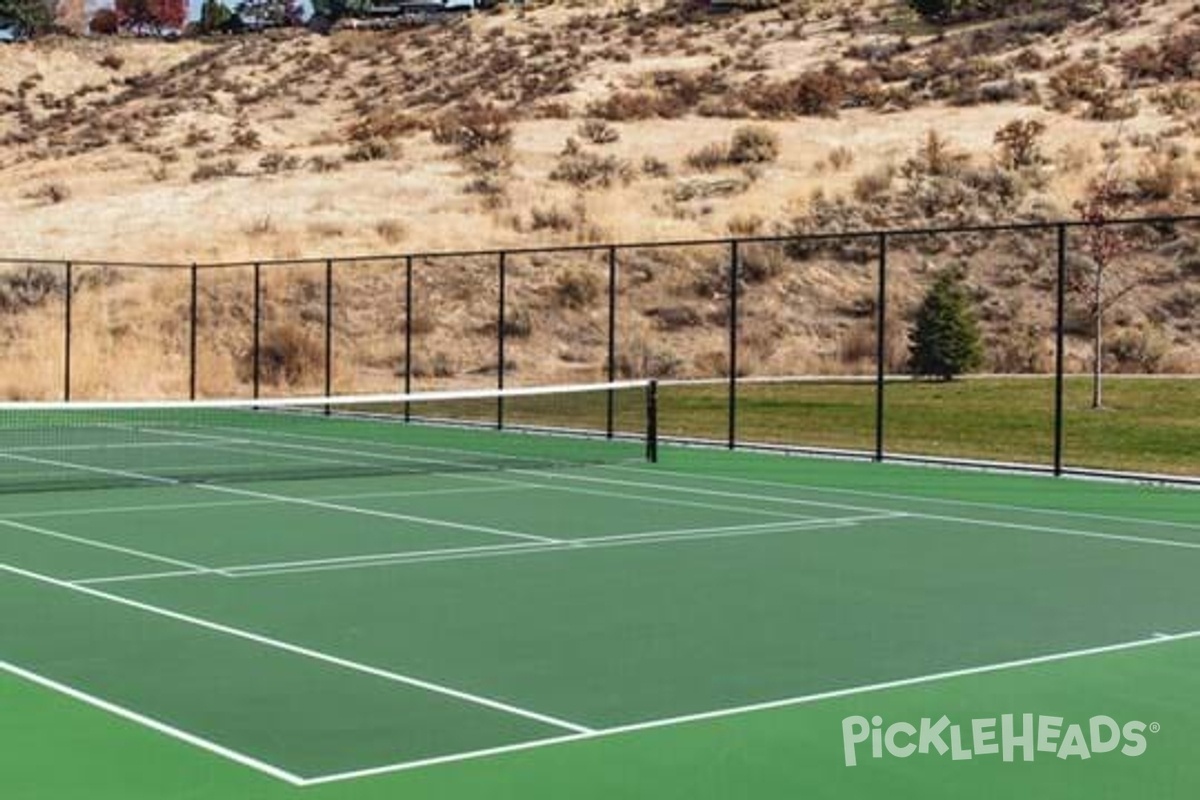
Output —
(581, 122)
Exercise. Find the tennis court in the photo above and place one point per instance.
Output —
(328, 600)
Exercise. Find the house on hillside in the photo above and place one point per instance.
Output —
(389, 13)
(395, 8)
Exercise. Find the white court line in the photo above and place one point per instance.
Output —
(645, 498)
(302, 501)
(568, 546)
(245, 446)
(166, 478)
(388, 456)
(272, 441)
(312, 503)
(660, 500)
(733, 711)
(305, 652)
(154, 725)
(1128, 538)
(458, 553)
(138, 576)
(1114, 537)
(1158, 638)
(707, 492)
(394, 457)
(100, 447)
(92, 511)
(909, 498)
(47, 462)
(660, 470)
(198, 568)
(790, 500)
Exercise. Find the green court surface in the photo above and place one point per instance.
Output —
(699, 627)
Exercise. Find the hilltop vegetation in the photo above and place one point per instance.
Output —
(616, 121)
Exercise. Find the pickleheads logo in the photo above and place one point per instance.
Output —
(1029, 734)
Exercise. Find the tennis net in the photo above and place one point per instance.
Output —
(101, 444)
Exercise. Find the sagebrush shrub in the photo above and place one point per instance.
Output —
(577, 289)
(588, 170)
(550, 219)
(597, 131)
(623, 106)
(708, 158)
(376, 149)
(753, 145)
(211, 170)
(1020, 143)
(820, 93)
(474, 128)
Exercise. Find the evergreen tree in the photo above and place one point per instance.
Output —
(933, 10)
(215, 17)
(32, 16)
(334, 10)
(945, 340)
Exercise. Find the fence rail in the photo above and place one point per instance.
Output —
(415, 288)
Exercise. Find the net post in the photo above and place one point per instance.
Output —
(881, 348)
(408, 300)
(734, 270)
(256, 347)
(652, 422)
(1060, 304)
(67, 304)
(610, 422)
(328, 332)
(501, 292)
(192, 332)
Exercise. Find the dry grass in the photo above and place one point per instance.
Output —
(199, 151)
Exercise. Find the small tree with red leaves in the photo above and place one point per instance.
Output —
(104, 23)
(151, 16)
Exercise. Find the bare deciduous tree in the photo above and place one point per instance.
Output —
(1101, 283)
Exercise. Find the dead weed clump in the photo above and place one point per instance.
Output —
(481, 137)
(1086, 82)
(474, 128)
(383, 124)
(288, 356)
(586, 170)
(51, 193)
(750, 146)
(597, 131)
(577, 289)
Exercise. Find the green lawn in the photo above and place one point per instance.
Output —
(1150, 425)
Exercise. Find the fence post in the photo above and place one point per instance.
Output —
(652, 422)
(610, 426)
(67, 303)
(195, 313)
(734, 275)
(328, 332)
(1060, 311)
(881, 348)
(501, 291)
(408, 317)
(257, 344)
